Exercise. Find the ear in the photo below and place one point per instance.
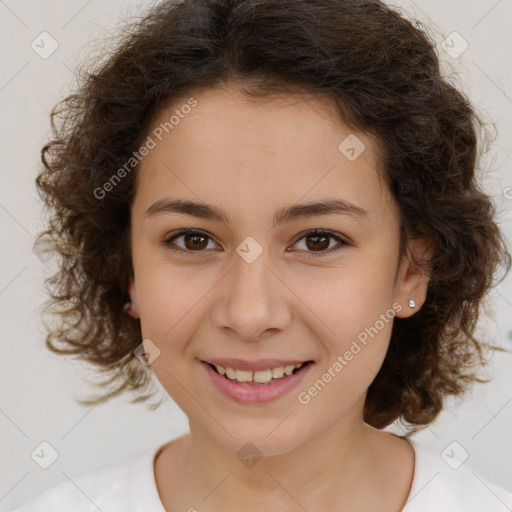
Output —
(132, 307)
(412, 281)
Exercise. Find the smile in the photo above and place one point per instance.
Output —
(257, 377)
(262, 385)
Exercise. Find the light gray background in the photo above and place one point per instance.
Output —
(38, 388)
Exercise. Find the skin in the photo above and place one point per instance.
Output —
(252, 157)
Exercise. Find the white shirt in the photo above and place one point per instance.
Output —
(130, 487)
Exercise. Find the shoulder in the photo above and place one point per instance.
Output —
(120, 487)
(450, 485)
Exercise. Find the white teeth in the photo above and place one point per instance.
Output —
(243, 376)
(289, 369)
(260, 376)
(277, 373)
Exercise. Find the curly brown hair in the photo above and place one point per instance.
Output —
(384, 77)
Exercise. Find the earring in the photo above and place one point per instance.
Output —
(127, 306)
(412, 304)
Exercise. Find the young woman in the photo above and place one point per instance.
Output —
(272, 207)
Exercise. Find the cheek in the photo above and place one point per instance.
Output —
(347, 304)
(354, 317)
(357, 343)
(169, 304)
(170, 313)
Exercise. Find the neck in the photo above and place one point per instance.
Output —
(350, 466)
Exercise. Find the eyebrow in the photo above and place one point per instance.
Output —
(286, 214)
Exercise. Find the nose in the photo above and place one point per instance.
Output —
(252, 302)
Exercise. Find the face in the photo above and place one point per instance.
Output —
(260, 281)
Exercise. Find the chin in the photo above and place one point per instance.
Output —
(258, 442)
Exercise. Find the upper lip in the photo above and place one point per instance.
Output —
(254, 366)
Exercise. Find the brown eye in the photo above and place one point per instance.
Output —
(193, 241)
(317, 242)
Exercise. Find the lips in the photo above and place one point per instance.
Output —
(256, 393)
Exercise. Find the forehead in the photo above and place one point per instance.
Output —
(270, 120)
(278, 148)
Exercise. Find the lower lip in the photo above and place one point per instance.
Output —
(255, 394)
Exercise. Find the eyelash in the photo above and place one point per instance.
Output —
(313, 232)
